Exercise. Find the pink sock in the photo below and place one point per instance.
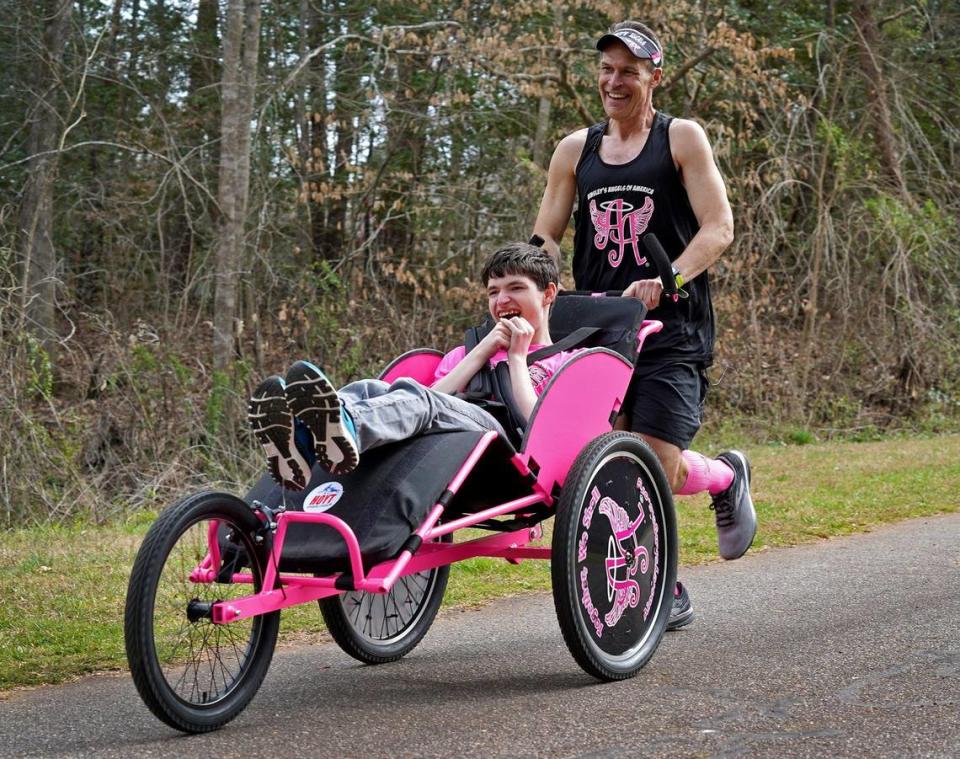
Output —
(711, 475)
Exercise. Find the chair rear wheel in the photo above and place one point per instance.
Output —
(614, 557)
(194, 675)
(377, 628)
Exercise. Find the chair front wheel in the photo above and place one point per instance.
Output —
(614, 560)
(194, 675)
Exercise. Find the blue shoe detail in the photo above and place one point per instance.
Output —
(348, 421)
(313, 400)
(304, 442)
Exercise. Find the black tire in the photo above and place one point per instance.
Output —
(377, 628)
(612, 632)
(192, 674)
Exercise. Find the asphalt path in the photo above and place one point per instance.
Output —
(850, 647)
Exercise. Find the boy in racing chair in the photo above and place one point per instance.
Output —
(302, 419)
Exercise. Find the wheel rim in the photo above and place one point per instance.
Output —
(387, 618)
(619, 557)
(203, 663)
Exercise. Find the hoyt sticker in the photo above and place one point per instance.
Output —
(322, 497)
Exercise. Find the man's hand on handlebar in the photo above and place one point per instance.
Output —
(646, 290)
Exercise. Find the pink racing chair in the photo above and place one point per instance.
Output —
(375, 546)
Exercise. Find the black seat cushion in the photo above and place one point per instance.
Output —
(384, 500)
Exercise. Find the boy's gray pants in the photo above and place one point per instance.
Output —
(385, 413)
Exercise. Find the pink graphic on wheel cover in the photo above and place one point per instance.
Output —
(624, 554)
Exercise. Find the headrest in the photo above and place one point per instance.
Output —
(617, 321)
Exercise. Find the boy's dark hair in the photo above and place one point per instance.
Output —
(525, 260)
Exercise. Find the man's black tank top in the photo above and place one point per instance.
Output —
(616, 206)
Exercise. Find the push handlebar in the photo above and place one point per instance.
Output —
(661, 262)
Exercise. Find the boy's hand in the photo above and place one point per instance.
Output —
(496, 339)
(521, 334)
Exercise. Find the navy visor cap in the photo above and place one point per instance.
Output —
(637, 43)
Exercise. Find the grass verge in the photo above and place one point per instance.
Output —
(62, 589)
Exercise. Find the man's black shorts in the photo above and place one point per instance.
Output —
(665, 401)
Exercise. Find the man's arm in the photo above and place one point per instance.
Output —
(557, 202)
(707, 194)
(708, 198)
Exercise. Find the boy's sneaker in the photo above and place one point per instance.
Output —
(681, 614)
(733, 509)
(314, 401)
(272, 425)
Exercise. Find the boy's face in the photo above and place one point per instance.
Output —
(518, 295)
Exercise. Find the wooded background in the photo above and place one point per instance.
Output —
(192, 194)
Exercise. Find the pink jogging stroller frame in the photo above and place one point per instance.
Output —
(209, 581)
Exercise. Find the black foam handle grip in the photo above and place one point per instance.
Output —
(661, 262)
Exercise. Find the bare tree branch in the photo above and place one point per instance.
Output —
(894, 16)
(179, 165)
(681, 72)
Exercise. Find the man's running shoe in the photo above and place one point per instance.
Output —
(681, 614)
(733, 509)
(272, 425)
(314, 401)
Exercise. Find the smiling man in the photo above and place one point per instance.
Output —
(637, 172)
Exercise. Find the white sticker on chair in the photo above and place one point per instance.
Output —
(322, 497)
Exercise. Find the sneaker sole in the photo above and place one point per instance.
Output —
(314, 401)
(681, 620)
(270, 421)
(753, 511)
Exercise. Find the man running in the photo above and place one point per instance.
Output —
(642, 171)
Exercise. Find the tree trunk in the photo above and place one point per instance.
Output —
(869, 42)
(328, 215)
(200, 133)
(116, 15)
(907, 316)
(133, 53)
(540, 155)
(38, 259)
(240, 52)
(204, 69)
(414, 86)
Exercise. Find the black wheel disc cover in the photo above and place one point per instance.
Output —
(620, 555)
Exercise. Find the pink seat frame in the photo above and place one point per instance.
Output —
(561, 425)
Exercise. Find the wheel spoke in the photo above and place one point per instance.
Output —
(201, 662)
(192, 674)
(382, 618)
